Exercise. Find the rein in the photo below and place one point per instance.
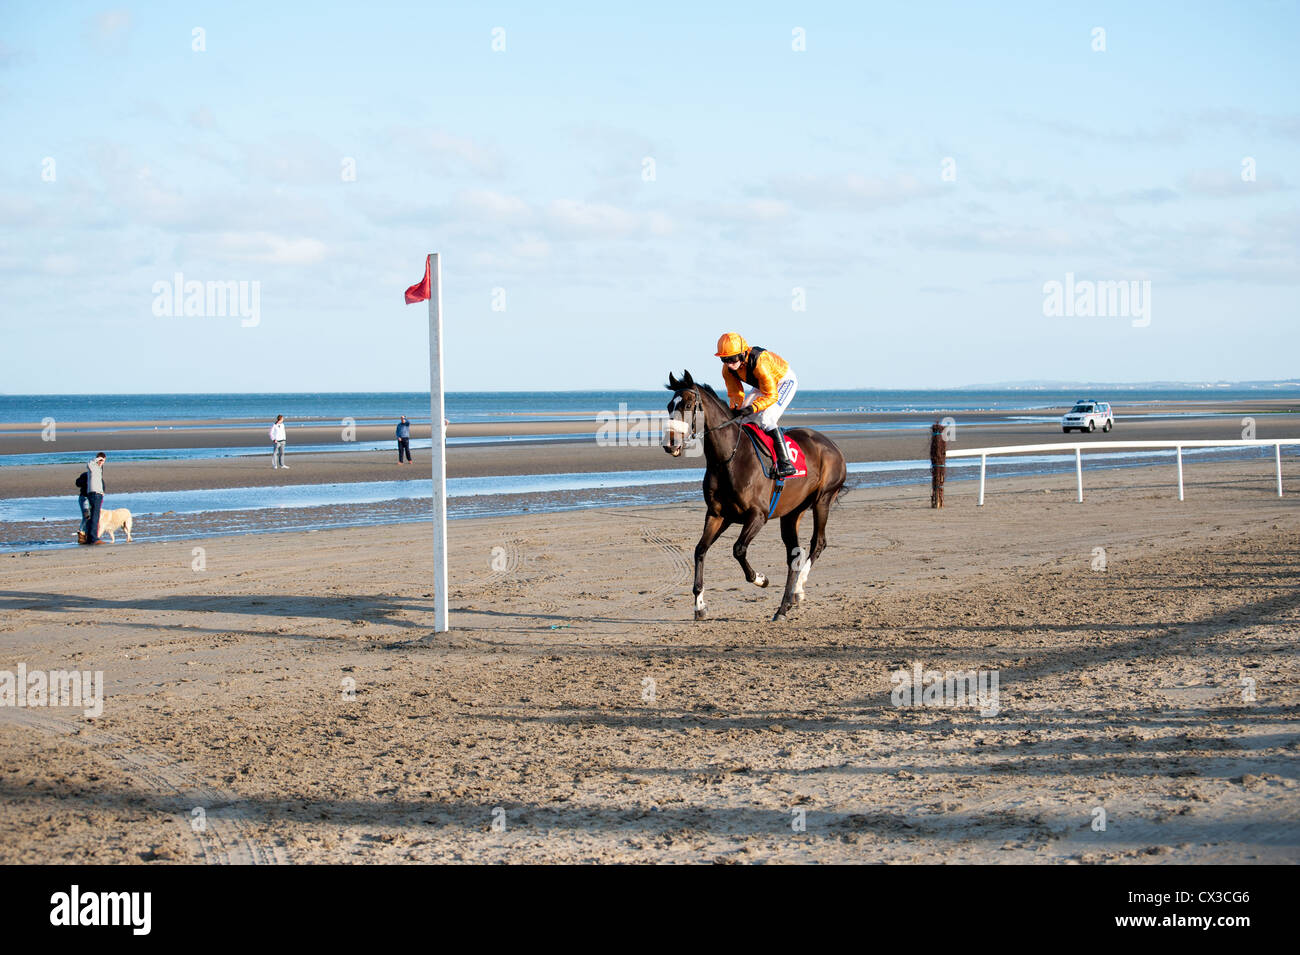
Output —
(699, 404)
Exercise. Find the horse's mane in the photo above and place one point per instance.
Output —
(703, 386)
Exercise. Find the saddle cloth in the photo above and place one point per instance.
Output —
(761, 440)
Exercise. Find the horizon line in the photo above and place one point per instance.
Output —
(1255, 384)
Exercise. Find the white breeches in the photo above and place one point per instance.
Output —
(770, 415)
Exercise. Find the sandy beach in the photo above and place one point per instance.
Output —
(288, 703)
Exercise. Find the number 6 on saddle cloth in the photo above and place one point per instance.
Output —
(763, 448)
(766, 460)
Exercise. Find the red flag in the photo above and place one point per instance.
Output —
(420, 291)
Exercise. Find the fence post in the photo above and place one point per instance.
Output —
(1180, 472)
(1277, 452)
(1078, 470)
(983, 459)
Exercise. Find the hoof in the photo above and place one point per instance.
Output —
(778, 616)
(762, 581)
(699, 615)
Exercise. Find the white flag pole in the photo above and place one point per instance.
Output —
(438, 433)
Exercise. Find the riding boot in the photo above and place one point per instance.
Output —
(783, 466)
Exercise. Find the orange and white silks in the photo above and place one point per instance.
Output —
(769, 370)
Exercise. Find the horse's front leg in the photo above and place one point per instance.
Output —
(747, 534)
(714, 525)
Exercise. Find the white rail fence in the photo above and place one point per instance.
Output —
(984, 453)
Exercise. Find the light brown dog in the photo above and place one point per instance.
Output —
(111, 521)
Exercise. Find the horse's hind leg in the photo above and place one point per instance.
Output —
(747, 534)
(794, 559)
(821, 511)
(714, 525)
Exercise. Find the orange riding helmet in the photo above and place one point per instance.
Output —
(731, 344)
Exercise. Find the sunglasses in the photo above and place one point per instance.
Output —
(732, 359)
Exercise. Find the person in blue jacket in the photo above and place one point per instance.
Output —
(403, 440)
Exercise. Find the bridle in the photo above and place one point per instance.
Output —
(695, 431)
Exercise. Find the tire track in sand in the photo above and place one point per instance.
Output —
(225, 838)
(509, 561)
(683, 567)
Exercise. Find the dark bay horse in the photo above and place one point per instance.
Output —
(737, 492)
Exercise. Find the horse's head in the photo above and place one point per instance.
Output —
(685, 414)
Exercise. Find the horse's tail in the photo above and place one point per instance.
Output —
(838, 495)
(838, 492)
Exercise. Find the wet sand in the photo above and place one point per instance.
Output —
(292, 692)
(581, 455)
(26, 439)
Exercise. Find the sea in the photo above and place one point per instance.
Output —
(499, 406)
(38, 523)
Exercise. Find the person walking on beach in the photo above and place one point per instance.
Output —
(403, 440)
(773, 384)
(83, 504)
(938, 464)
(277, 443)
(95, 495)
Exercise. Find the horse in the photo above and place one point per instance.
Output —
(736, 490)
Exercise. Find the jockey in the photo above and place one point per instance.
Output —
(773, 387)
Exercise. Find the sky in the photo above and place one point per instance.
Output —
(880, 193)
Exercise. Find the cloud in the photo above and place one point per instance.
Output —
(1174, 131)
(1009, 187)
(18, 210)
(1078, 134)
(9, 57)
(1152, 196)
(131, 190)
(1244, 272)
(531, 249)
(61, 265)
(852, 192)
(1219, 183)
(746, 212)
(1282, 126)
(495, 206)
(269, 248)
(446, 152)
(1205, 183)
(547, 221)
(110, 30)
(630, 146)
(579, 219)
(615, 156)
(1012, 239)
(202, 118)
(514, 258)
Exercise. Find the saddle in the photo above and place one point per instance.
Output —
(767, 456)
